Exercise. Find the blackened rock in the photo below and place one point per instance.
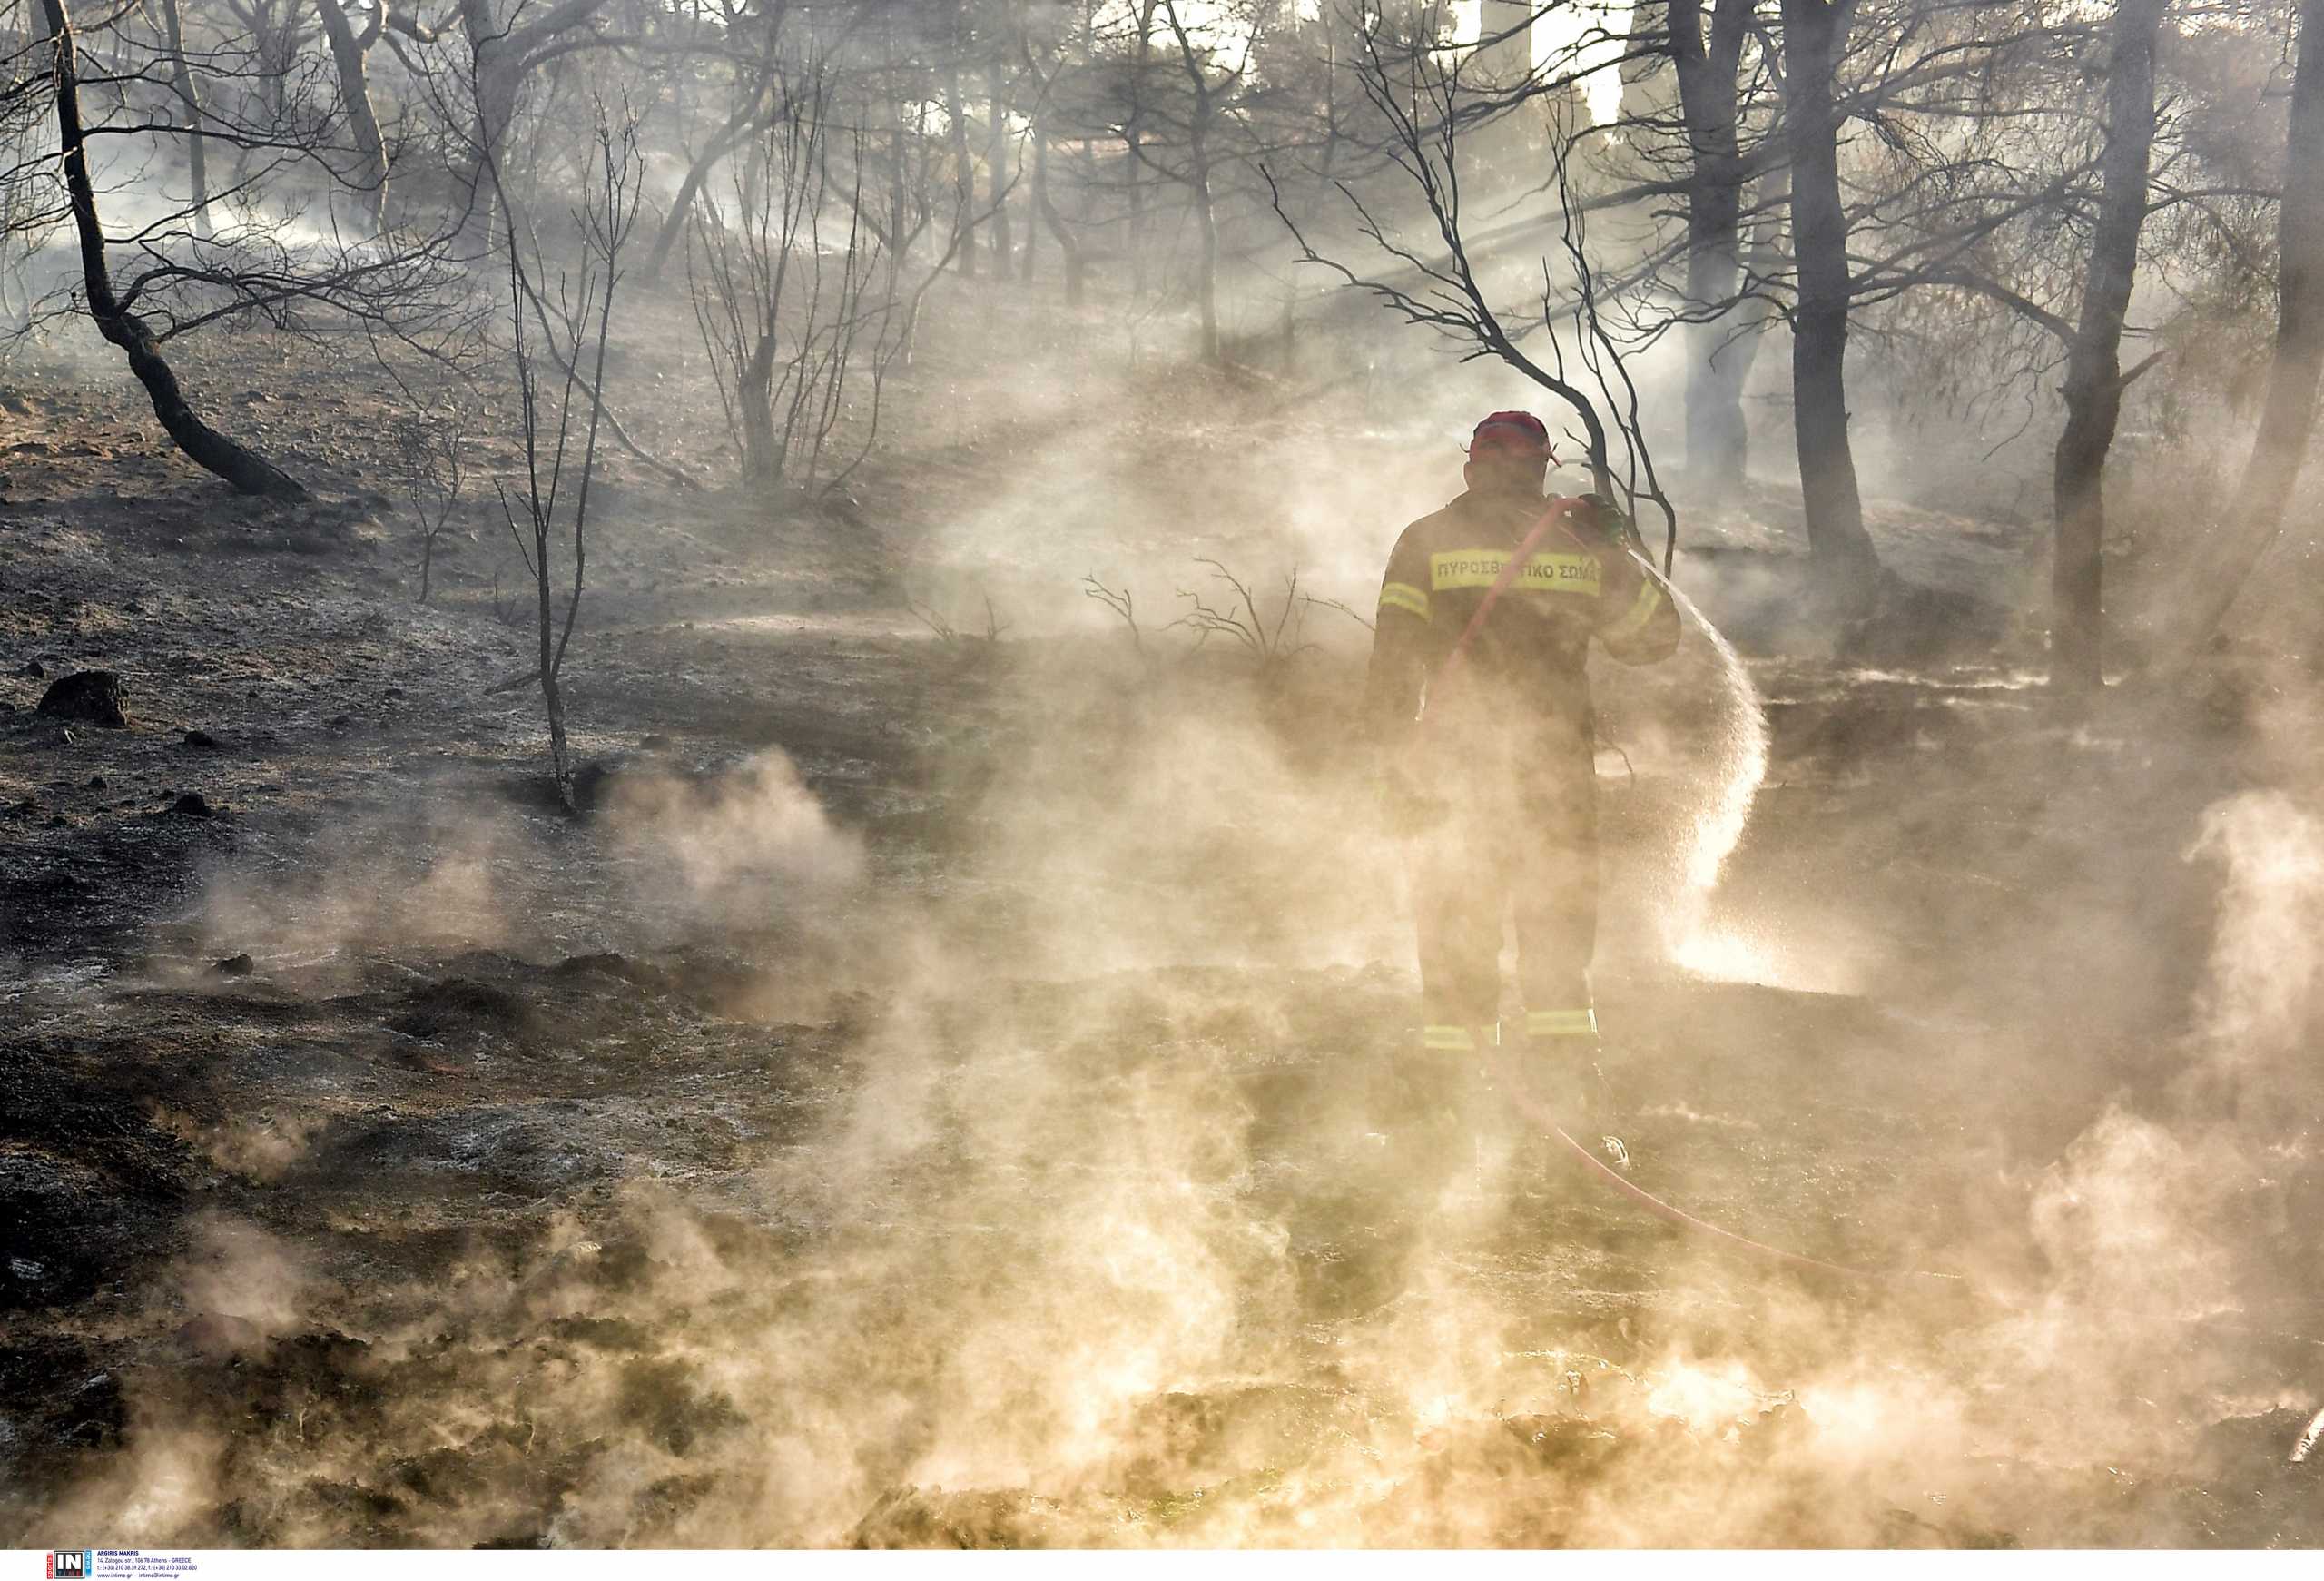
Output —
(200, 738)
(95, 696)
(32, 670)
(192, 805)
(235, 967)
(593, 785)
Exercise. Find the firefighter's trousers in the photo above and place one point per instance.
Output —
(1519, 845)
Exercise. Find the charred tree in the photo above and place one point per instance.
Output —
(2289, 413)
(349, 52)
(1196, 175)
(1134, 145)
(1845, 568)
(2095, 381)
(997, 174)
(248, 471)
(583, 322)
(197, 152)
(1067, 244)
(1421, 106)
(1046, 214)
(502, 55)
(964, 173)
(724, 141)
(1718, 439)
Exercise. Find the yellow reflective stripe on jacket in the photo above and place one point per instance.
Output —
(1405, 597)
(1643, 608)
(1561, 1023)
(1448, 1040)
(1542, 573)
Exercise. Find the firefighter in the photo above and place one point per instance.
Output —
(1489, 770)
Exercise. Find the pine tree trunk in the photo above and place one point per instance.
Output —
(721, 144)
(2257, 515)
(964, 175)
(1133, 144)
(1718, 438)
(197, 149)
(1067, 244)
(2094, 385)
(348, 54)
(1207, 262)
(997, 160)
(1846, 570)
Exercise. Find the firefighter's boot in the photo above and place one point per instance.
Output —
(1564, 1072)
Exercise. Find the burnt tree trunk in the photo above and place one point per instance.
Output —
(1718, 439)
(964, 174)
(349, 52)
(560, 754)
(1067, 244)
(499, 71)
(1199, 184)
(2094, 383)
(996, 159)
(1040, 200)
(898, 196)
(197, 152)
(1207, 239)
(723, 142)
(1846, 570)
(1134, 145)
(245, 470)
(2281, 443)
(762, 450)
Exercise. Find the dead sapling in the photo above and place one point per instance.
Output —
(1272, 640)
(1423, 106)
(1124, 608)
(972, 646)
(431, 453)
(548, 410)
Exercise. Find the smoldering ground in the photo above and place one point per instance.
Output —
(936, 1095)
(997, 1159)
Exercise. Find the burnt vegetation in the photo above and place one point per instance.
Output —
(685, 857)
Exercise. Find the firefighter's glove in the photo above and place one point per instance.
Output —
(1615, 523)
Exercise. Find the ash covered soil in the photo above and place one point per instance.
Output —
(942, 1089)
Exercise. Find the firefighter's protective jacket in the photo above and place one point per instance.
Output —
(1522, 682)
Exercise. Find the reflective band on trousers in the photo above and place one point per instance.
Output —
(1458, 1039)
(1405, 597)
(1561, 1023)
(1641, 610)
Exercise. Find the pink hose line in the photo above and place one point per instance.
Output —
(1506, 1076)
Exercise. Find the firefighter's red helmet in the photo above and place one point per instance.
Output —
(1516, 433)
